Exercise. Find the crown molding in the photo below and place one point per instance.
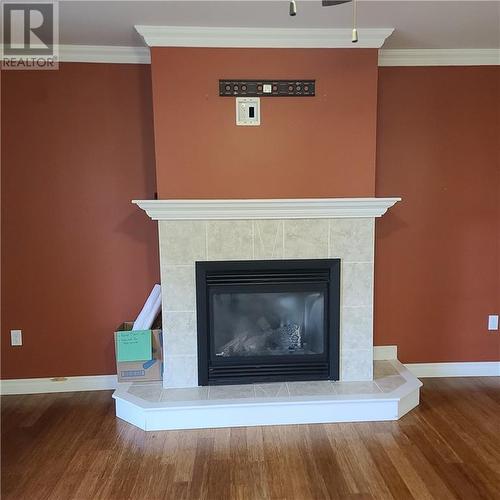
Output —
(439, 57)
(314, 208)
(387, 57)
(199, 36)
(104, 54)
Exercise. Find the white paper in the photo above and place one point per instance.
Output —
(151, 315)
(149, 306)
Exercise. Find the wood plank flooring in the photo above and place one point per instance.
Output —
(71, 446)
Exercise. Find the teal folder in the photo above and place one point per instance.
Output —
(134, 346)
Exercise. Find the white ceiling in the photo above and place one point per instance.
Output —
(418, 24)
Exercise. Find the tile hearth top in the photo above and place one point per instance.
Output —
(389, 376)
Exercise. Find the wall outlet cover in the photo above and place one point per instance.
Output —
(16, 337)
(493, 322)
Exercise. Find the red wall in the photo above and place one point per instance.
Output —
(305, 147)
(437, 253)
(77, 146)
(77, 257)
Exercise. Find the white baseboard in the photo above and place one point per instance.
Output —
(66, 384)
(463, 369)
(108, 382)
(385, 352)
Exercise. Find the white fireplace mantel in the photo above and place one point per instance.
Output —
(218, 36)
(313, 208)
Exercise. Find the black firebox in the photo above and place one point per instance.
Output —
(267, 320)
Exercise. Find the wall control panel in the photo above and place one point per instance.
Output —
(267, 88)
(247, 111)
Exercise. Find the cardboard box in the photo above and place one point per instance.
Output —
(146, 370)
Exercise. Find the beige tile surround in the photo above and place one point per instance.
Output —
(182, 243)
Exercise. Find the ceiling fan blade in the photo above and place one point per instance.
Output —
(327, 3)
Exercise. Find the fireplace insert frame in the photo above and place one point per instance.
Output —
(277, 276)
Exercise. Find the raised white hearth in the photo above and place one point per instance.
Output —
(215, 230)
(393, 392)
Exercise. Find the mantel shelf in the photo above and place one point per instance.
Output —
(314, 208)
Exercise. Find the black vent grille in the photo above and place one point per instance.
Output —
(268, 372)
(269, 277)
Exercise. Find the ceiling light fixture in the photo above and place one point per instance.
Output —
(329, 3)
(354, 38)
(293, 8)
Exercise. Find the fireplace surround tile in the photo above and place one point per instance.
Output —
(230, 240)
(181, 371)
(182, 242)
(180, 333)
(178, 288)
(357, 284)
(356, 365)
(352, 239)
(357, 327)
(264, 239)
(306, 239)
(268, 239)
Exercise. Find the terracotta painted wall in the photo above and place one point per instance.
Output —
(437, 252)
(305, 147)
(77, 257)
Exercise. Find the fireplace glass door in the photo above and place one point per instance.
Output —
(268, 323)
(264, 321)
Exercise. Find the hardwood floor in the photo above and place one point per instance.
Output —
(64, 446)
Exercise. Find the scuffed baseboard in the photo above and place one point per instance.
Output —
(462, 369)
(109, 382)
(59, 384)
(449, 369)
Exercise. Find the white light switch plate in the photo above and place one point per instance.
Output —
(248, 111)
(16, 337)
(493, 322)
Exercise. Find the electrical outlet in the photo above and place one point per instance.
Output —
(493, 322)
(16, 337)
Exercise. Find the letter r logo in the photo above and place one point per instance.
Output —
(28, 28)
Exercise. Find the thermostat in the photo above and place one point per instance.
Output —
(248, 111)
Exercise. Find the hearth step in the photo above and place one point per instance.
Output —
(394, 392)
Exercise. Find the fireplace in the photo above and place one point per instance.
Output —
(224, 231)
(267, 320)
